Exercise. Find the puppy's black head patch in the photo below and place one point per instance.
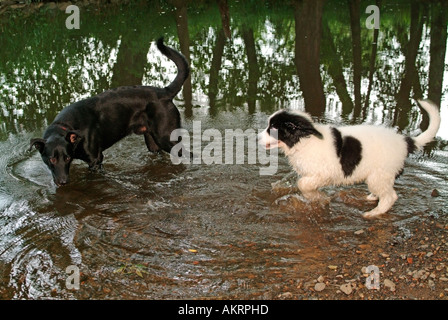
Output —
(292, 127)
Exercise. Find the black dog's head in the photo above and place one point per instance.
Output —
(57, 153)
(286, 128)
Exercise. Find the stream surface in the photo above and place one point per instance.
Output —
(146, 228)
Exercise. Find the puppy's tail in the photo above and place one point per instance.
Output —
(434, 124)
(183, 70)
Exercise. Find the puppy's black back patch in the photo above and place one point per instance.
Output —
(348, 150)
(337, 140)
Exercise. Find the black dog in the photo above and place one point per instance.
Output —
(86, 128)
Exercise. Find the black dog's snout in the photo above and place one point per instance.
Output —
(61, 181)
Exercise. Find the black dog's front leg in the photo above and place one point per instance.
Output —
(150, 143)
(97, 163)
(92, 155)
(166, 144)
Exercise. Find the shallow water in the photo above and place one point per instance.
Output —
(148, 229)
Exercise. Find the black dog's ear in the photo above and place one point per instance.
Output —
(73, 137)
(38, 143)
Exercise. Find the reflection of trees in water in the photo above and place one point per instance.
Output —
(308, 22)
(410, 75)
(437, 51)
(254, 54)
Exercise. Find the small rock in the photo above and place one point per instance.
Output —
(435, 193)
(320, 279)
(331, 267)
(346, 288)
(431, 285)
(389, 284)
(319, 286)
(420, 274)
(443, 279)
(361, 231)
(285, 295)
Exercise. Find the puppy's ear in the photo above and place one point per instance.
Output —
(303, 128)
(74, 137)
(38, 143)
(316, 133)
(291, 126)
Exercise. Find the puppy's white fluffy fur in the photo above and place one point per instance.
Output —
(383, 155)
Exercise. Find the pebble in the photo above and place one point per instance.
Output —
(346, 288)
(435, 193)
(319, 286)
(419, 274)
(431, 285)
(389, 284)
(285, 295)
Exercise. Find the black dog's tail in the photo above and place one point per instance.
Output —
(183, 70)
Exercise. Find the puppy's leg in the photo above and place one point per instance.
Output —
(308, 187)
(372, 197)
(384, 204)
(383, 186)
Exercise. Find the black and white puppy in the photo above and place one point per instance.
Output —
(325, 155)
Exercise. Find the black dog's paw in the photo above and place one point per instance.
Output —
(96, 167)
(154, 149)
